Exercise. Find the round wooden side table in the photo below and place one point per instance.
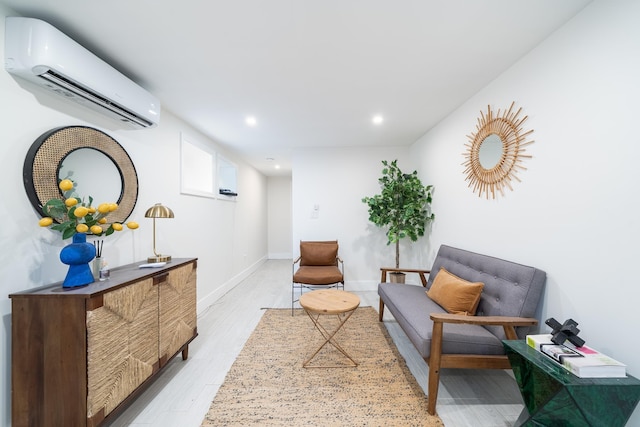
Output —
(329, 302)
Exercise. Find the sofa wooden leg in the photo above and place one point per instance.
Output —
(434, 367)
(381, 310)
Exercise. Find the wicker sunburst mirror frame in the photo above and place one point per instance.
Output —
(46, 155)
(489, 179)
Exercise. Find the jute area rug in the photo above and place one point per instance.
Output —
(267, 384)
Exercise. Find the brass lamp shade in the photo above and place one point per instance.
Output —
(158, 211)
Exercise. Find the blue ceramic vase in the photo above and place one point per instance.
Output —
(77, 256)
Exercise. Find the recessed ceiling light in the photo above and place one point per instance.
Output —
(251, 121)
(377, 119)
(277, 166)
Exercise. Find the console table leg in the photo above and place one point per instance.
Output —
(185, 352)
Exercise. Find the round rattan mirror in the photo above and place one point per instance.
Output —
(59, 150)
(495, 151)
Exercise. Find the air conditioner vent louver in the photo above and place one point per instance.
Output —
(36, 51)
(72, 90)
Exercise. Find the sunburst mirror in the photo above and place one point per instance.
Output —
(495, 151)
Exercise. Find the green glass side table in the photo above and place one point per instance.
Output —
(555, 397)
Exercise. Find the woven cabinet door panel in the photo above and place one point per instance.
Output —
(177, 311)
(122, 345)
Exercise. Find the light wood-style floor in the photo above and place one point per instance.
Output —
(181, 395)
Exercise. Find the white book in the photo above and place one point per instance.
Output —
(535, 341)
(559, 352)
(591, 364)
(594, 365)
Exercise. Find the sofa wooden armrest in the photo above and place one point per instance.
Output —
(438, 360)
(508, 323)
(421, 273)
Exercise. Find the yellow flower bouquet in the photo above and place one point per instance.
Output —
(75, 215)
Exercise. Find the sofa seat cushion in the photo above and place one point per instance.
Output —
(411, 307)
(318, 275)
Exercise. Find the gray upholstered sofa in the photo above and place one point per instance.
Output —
(506, 310)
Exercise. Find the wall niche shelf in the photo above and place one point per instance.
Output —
(227, 178)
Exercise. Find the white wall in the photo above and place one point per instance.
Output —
(279, 217)
(572, 215)
(575, 212)
(336, 180)
(229, 238)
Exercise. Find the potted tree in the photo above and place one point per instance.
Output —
(403, 207)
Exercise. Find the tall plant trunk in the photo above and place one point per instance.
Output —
(397, 276)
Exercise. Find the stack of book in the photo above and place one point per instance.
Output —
(583, 362)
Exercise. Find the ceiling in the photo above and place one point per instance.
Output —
(312, 73)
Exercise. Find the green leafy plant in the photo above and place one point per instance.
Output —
(403, 206)
(73, 215)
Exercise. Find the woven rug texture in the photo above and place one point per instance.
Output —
(267, 384)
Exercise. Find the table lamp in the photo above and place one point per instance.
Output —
(158, 211)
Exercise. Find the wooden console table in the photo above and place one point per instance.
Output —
(555, 397)
(80, 355)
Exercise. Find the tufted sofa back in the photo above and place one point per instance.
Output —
(510, 289)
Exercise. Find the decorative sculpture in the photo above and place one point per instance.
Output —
(566, 331)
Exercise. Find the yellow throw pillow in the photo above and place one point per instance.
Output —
(454, 294)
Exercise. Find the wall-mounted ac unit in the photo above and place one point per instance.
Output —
(38, 52)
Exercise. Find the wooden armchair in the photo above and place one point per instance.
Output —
(318, 266)
(506, 310)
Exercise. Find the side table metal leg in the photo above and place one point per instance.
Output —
(329, 339)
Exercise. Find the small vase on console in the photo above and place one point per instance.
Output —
(77, 256)
(96, 266)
